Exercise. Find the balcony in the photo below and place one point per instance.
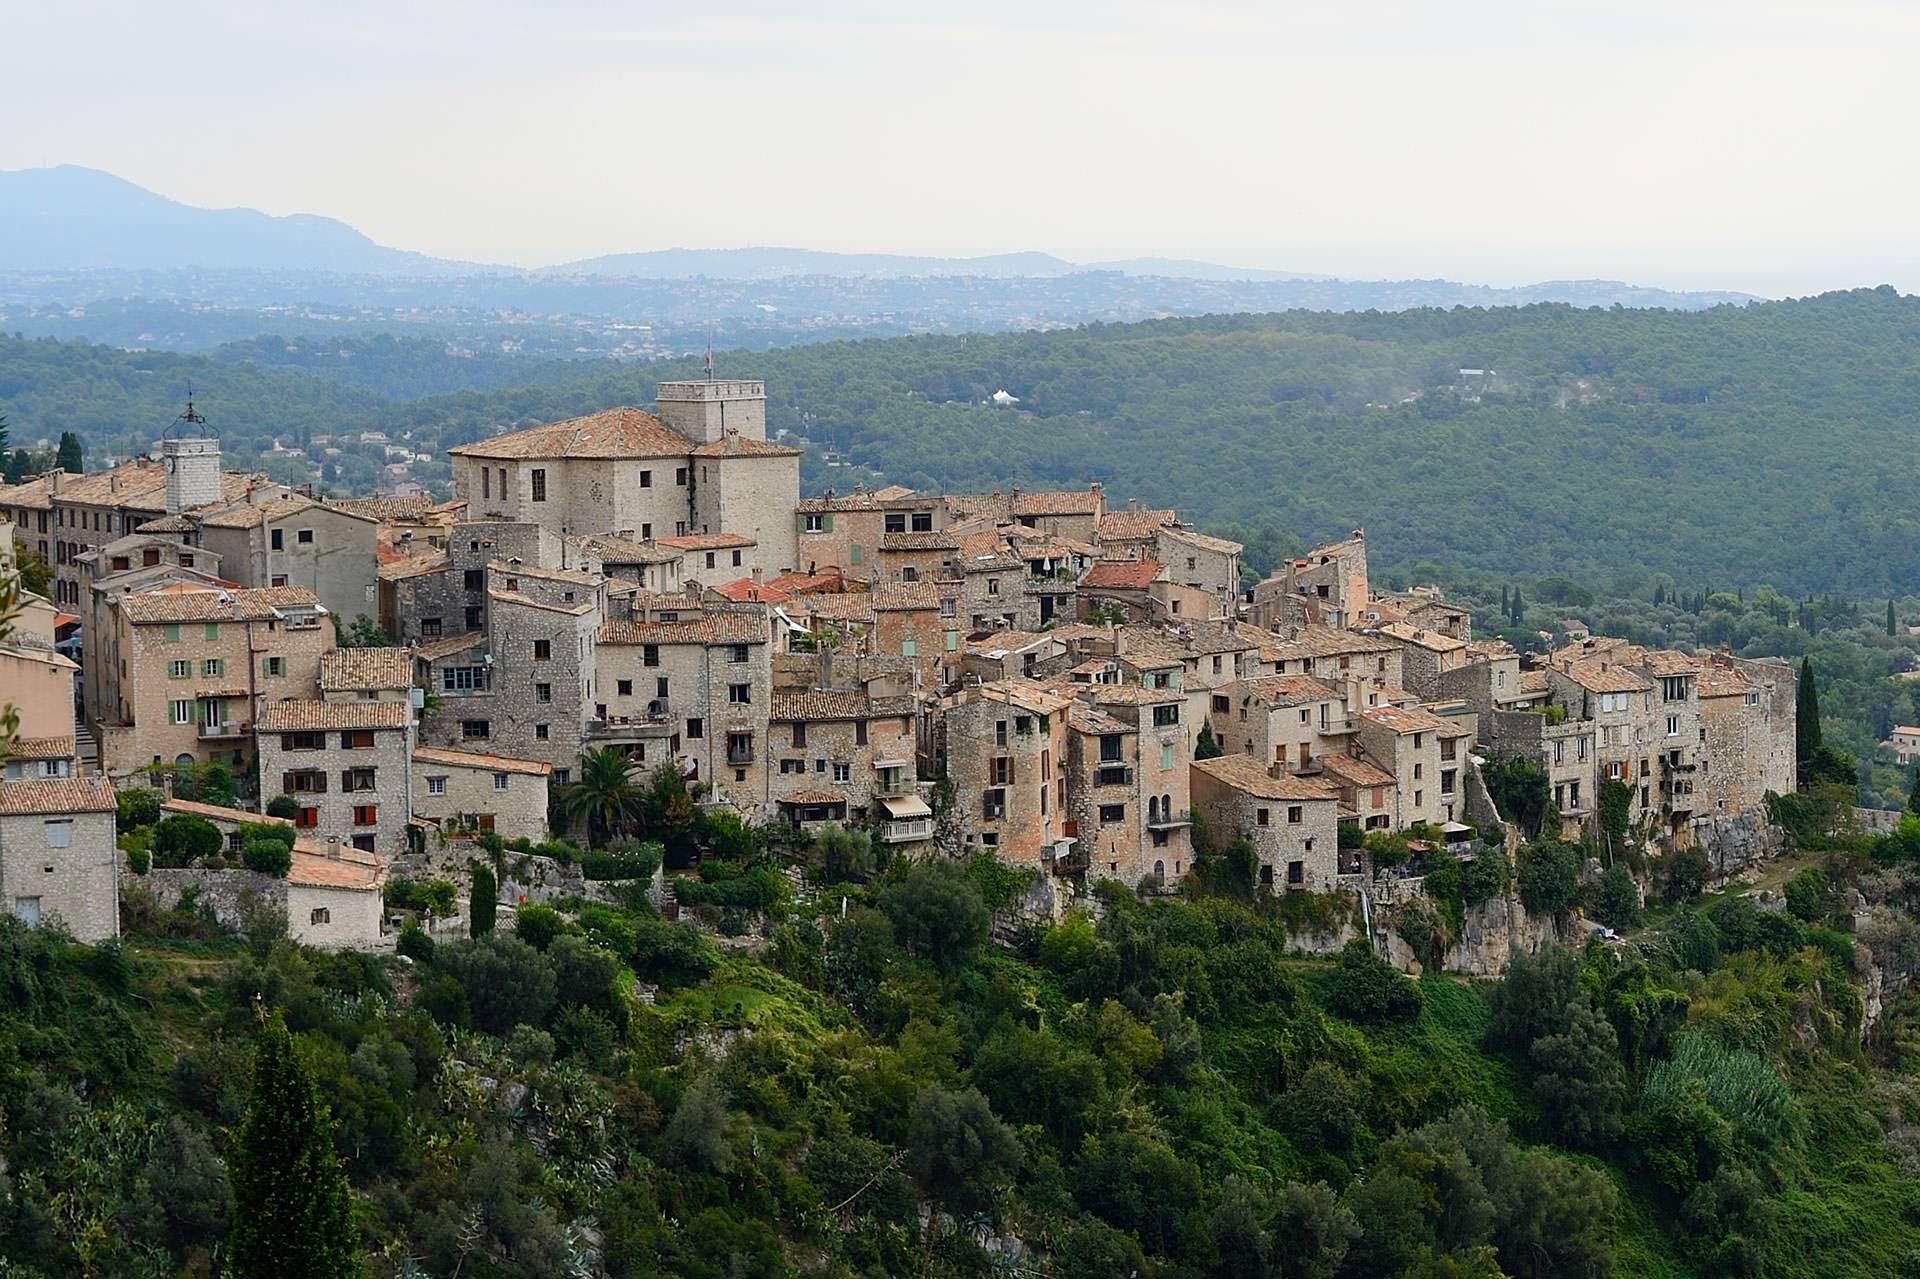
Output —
(1113, 775)
(224, 730)
(739, 755)
(907, 830)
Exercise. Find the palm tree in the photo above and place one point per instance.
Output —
(605, 797)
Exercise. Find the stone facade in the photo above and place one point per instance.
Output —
(347, 764)
(295, 541)
(57, 856)
(1128, 787)
(466, 789)
(1291, 821)
(1006, 758)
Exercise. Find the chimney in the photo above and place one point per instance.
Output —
(825, 650)
(756, 573)
(333, 847)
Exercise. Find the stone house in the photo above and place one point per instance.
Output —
(28, 759)
(713, 558)
(700, 688)
(1132, 534)
(648, 565)
(834, 752)
(270, 540)
(36, 678)
(1279, 719)
(349, 766)
(1072, 514)
(994, 594)
(1120, 588)
(197, 667)
(1006, 751)
(1367, 795)
(1292, 822)
(1426, 656)
(851, 532)
(1617, 705)
(1207, 564)
(1747, 738)
(919, 621)
(627, 472)
(1327, 585)
(1427, 756)
(57, 855)
(1323, 651)
(1127, 784)
(471, 790)
(914, 557)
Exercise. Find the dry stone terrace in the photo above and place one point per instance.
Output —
(1040, 664)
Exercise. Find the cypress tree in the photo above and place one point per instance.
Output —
(1806, 727)
(1503, 600)
(1913, 791)
(1206, 747)
(1519, 608)
(482, 902)
(292, 1210)
(69, 458)
(1659, 593)
(1890, 619)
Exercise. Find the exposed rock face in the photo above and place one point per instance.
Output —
(1498, 929)
(1734, 843)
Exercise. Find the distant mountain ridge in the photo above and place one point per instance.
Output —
(75, 219)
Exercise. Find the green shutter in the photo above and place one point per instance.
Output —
(856, 555)
(213, 630)
(826, 523)
(173, 632)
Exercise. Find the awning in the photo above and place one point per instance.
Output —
(906, 806)
(1455, 828)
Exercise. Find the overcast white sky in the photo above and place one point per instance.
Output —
(1744, 144)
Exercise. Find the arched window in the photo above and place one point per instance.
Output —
(1153, 809)
(1159, 870)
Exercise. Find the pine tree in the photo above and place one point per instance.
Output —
(1806, 728)
(292, 1209)
(483, 902)
(69, 458)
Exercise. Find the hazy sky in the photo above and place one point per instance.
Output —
(1691, 143)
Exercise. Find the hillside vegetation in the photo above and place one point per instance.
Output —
(1728, 447)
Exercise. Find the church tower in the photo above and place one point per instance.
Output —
(192, 457)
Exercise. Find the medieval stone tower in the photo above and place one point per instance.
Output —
(705, 411)
(192, 456)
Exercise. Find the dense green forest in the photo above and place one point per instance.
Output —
(1729, 447)
(876, 1088)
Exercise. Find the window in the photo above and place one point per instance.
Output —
(366, 815)
(278, 540)
(356, 739)
(273, 666)
(813, 524)
(739, 694)
(539, 484)
(180, 711)
(429, 628)
(1446, 781)
(1416, 770)
(623, 686)
(59, 833)
(486, 482)
(304, 537)
(842, 772)
(544, 692)
(1296, 872)
(909, 648)
(542, 650)
(993, 804)
(709, 559)
(213, 630)
(173, 632)
(320, 915)
(179, 670)
(1000, 770)
(357, 779)
(993, 586)
(303, 781)
(860, 732)
(499, 781)
(680, 475)
(1295, 814)
(303, 741)
(539, 732)
(736, 559)
(474, 579)
(695, 730)
(1166, 756)
(791, 766)
(737, 653)
(1673, 726)
(473, 729)
(436, 786)
(1166, 716)
(474, 617)
(799, 736)
(1110, 813)
(646, 479)
(650, 655)
(1262, 817)
(213, 666)
(463, 679)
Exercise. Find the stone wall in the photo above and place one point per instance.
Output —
(230, 896)
(1736, 842)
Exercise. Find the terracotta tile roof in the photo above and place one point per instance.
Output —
(306, 717)
(219, 813)
(1603, 677)
(1326, 641)
(1024, 694)
(38, 748)
(448, 645)
(1411, 719)
(254, 514)
(1433, 641)
(847, 502)
(384, 507)
(853, 606)
(125, 485)
(734, 444)
(1245, 773)
(937, 540)
(992, 562)
(411, 566)
(1201, 541)
(899, 597)
(614, 433)
(314, 866)
(571, 576)
(714, 628)
(748, 590)
(56, 795)
(1355, 772)
(1007, 641)
(1727, 681)
(167, 524)
(1122, 575)
(475, 759)
(1207, 638)
(1132, 695)
(1286, 690)
(1074, 502)
(831, 579)
(1092, 720)
(819, 704)
(523, 600)
(201, 605)
(610, 549)
(357, 669)
(1667, 661)
(708, 542)
(1133, 526)
(809, 797)
(31, 494)
(1533, 681)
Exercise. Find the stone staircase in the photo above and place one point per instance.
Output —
(86, 751)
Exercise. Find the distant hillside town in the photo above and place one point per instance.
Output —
(1083, 689)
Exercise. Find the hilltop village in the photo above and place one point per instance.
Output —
(1082, 688)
